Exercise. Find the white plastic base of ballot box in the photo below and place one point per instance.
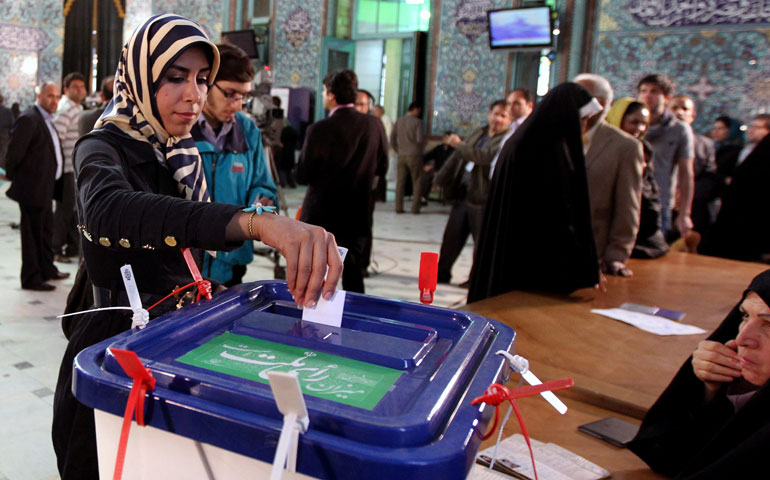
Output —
(153, 453)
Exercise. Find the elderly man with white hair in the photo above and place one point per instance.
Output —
(614, 162)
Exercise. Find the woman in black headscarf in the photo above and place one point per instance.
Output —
(142, 196)
(537, 224)
(713, 420)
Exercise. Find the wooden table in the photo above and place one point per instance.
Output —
(545, 424)
(614, 365)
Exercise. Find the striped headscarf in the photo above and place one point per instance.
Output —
(151, 50)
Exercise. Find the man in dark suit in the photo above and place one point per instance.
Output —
(34, 164)
(340, 158)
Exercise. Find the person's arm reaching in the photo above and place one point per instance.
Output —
(307, 249)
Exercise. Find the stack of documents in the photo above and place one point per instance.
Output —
(553, 462)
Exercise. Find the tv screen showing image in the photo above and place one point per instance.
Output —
(523, 28)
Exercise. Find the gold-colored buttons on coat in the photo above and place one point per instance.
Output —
(170, 241)
(104, 241)
(124, 243)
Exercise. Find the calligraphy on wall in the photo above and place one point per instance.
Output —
(297, 27)
(471, 18)
(678, 13)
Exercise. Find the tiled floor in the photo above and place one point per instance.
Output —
(31, 341)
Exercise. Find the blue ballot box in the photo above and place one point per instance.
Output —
(388, 393)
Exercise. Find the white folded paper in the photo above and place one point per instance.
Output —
(649, 323)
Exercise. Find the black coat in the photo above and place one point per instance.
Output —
(537, 224)
(341, 156)
(683, 437)
(31, 161)
(742, 229)
(129, 212)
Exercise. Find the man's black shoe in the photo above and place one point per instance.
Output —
(59, 276)
(61, 259)
(40, 287)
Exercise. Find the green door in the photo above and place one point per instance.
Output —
(336, 54)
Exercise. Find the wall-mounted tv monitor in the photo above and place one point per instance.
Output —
(243, 39)
(520, 28)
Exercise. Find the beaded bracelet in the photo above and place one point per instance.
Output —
(257, 209)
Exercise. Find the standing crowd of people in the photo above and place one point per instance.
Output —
(554, 193)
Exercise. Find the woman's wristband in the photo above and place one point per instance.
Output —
(257, 209)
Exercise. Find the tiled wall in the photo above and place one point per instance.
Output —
(719, 56)
(297, 42)
(30, 47)
(210, 14)
(469, 76)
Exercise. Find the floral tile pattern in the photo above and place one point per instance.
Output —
(297, 42)
(30, 47)
(722, 63)
(469, 76)
(208, 14)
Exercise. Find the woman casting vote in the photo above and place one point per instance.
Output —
(713, 420)
(142, 197)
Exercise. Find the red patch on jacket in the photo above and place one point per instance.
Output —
(238, 167)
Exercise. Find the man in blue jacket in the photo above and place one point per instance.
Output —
(234, 162)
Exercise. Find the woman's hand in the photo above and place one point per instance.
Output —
(716, 364)
(308, 250)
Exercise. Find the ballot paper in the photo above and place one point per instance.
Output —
(649, 323)
(326, 312)
(553, 462)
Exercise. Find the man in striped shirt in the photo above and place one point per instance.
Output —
(66, 120)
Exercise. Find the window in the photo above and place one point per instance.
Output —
(392, 16)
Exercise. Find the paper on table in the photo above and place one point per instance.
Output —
(649, 323)
(480, 472)
(553, 462)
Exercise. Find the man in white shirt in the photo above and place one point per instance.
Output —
(520, 103)
(67, 123)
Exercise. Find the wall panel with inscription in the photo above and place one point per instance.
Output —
(716, 51)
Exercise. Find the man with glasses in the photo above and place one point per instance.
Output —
(230, 146)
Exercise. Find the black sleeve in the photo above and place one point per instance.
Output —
(382, 150)
(679, 424)
(309, 159)
(117, 201)
(23, 132)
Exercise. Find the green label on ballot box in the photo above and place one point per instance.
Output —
(339, 379)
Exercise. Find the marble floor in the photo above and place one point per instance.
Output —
(32, 343)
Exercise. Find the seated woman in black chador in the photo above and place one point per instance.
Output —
(713, 420)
